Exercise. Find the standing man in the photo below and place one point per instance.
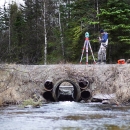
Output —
(102, 50)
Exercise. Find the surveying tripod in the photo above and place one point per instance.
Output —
(86, 46)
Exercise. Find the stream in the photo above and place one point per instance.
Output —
(66, 116)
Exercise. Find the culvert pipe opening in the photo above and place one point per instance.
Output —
(63, 95)
(48, 96)
(48, 85)
(83, 84)
(86, 94)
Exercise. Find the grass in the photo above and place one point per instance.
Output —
(31, 102)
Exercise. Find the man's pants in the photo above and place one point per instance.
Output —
(102, 55)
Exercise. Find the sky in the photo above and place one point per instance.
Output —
(10, 1)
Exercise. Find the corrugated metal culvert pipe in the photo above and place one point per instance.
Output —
(83, 84)
(75, 95)
(48, 86)
(86, 93)
(76, 91)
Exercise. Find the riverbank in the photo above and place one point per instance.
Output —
(22, 82)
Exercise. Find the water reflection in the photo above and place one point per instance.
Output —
(66, 116)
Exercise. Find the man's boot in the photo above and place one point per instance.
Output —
(104, 62)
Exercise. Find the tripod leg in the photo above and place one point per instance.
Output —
(86, 52)
(91, 52)
(82, 52)
(101, 55)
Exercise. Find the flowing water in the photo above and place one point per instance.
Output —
(66, 116)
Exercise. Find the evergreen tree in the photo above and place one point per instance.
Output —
(22, 30)
(115, 19)
(16, 25)
(83, 12)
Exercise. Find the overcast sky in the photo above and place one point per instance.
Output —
(10, 1)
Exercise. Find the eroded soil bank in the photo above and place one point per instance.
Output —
(22, 82)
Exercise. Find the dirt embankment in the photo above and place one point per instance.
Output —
(21, 82)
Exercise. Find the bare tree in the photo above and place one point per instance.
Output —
(45, 31)
(61, 34)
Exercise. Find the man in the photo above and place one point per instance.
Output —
(102, 51)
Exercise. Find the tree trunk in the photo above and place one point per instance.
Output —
(61, 34)
(97, 10)
(45, 34)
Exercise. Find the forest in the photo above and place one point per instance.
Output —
(52, 31)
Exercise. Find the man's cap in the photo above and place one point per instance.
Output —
(101, 31)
